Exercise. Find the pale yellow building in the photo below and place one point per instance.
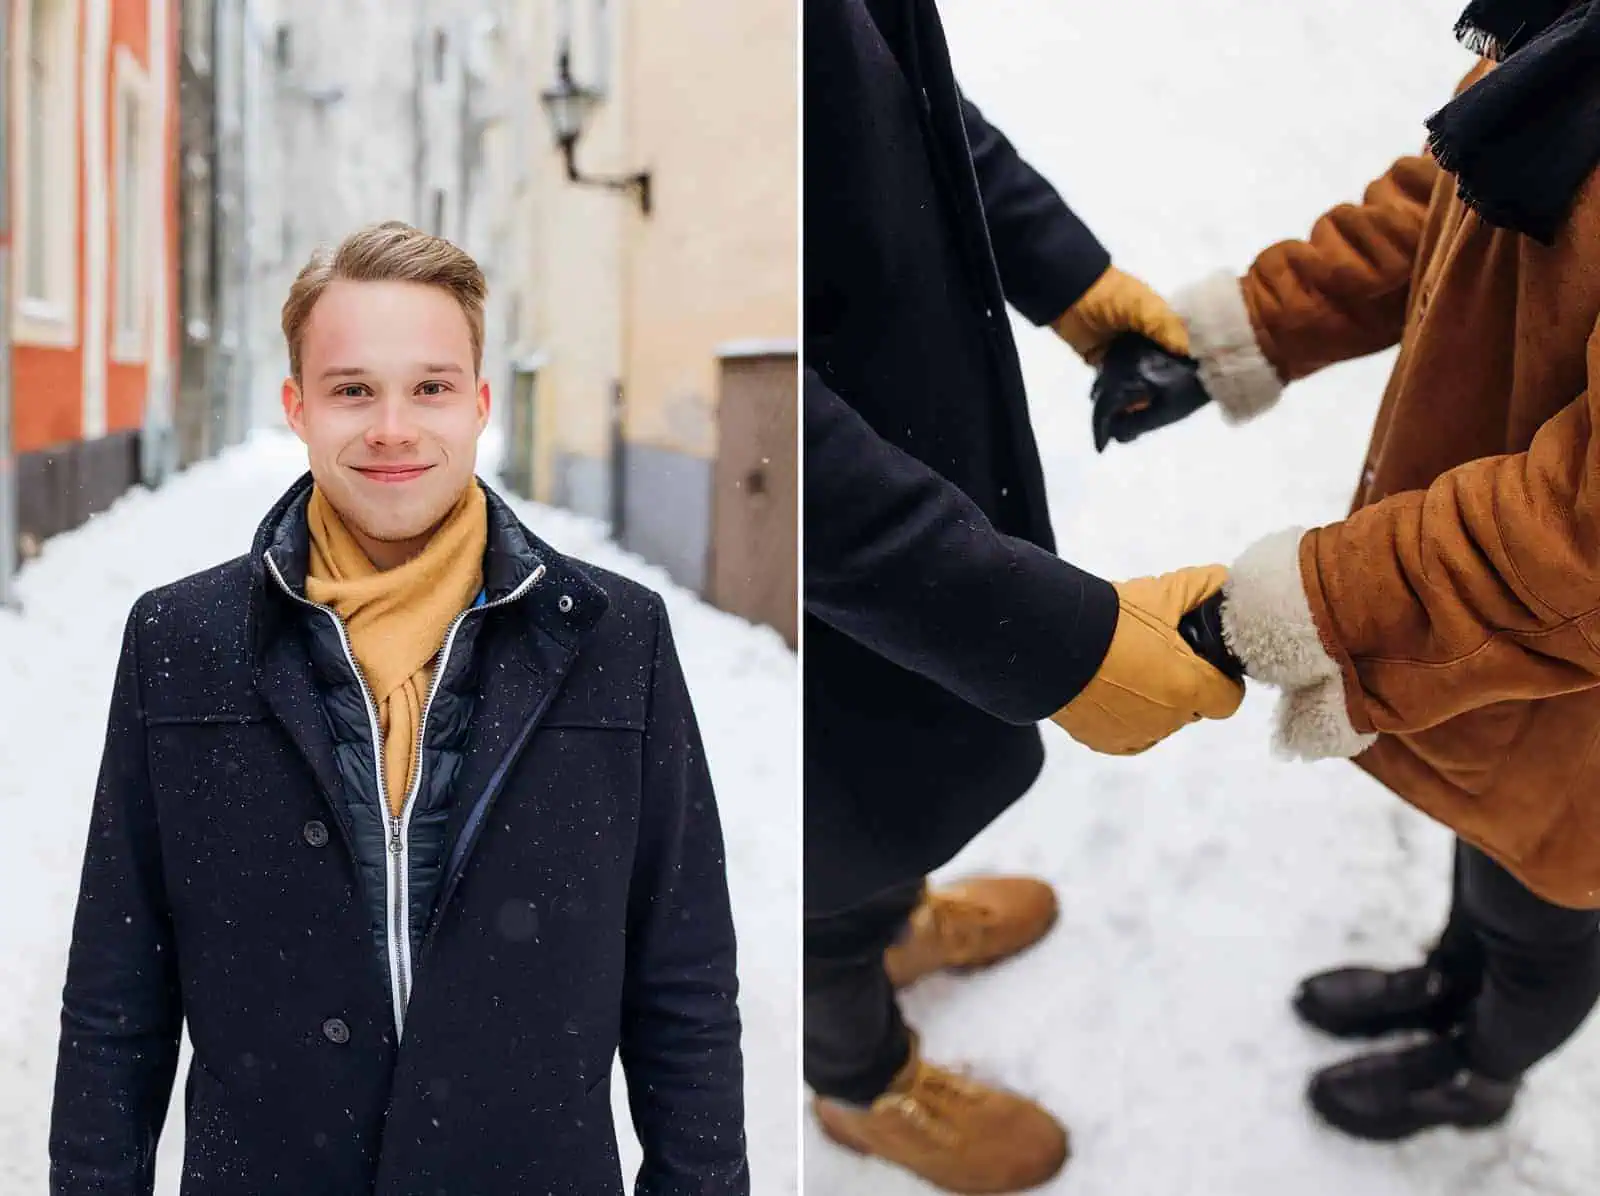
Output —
(650, 357)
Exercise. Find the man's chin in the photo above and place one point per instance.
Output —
(414, 523)
(393, 513)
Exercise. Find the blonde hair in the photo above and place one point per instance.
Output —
(392, 251)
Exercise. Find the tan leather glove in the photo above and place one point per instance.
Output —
(1119, 302)
(1151, 683)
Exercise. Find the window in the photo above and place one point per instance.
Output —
(41, 68)
(441, 47)
(438, 212)
(46, 234)
(197, 35)
(196, 231)
(131, 184)
(602, 46)
(283, 51)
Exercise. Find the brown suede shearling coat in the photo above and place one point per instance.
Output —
(1461, 598)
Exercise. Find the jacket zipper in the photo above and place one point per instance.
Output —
(397, 889)
(400, 840)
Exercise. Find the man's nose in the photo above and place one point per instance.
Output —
(392, 422)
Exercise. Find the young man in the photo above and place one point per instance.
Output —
(940, 625)
(1447, 633)
(406, 815)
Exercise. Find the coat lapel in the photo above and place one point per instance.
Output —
(523, 670)
(285, 680)
(284, 675)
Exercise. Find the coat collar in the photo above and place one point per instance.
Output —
(564, 601)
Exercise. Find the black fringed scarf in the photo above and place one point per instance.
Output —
(1524, 138)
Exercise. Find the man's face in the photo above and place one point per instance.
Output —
(390, 408)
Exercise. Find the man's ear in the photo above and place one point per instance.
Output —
(485, 403)
(294, 407)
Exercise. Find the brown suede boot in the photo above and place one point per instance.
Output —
(971, 924)
(956, 1133)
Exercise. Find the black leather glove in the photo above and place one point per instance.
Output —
(1141, 387)
(1201, 628)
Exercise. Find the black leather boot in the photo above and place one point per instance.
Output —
(1390, 1095)
(1371, 1002)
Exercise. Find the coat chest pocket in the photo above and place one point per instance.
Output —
(201, 752)
(589, 740)
(223, 782)
(583, 770)
(562, 830)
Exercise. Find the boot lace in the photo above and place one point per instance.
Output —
(962, 927)
(937, 1102)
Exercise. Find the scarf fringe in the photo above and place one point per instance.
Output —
(1524, 137)
(1490, 210)
(1479, 40)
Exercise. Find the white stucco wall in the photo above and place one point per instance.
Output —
(356, 128)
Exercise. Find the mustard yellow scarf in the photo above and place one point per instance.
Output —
(397, 618)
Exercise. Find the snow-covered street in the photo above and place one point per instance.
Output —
(57, 659)
(1199, 882)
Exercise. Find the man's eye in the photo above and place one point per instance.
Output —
(433, 388)
(353, 391)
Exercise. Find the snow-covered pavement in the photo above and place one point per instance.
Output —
(57, 660)
(1200, 881)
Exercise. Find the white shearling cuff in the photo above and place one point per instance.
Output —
(1267, 624)
(1234, 371)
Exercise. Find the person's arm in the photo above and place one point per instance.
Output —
(1052, 268)
(1339, 294)
(905, 563)
(1483, 588)
(121, 1011)
(1047, 256)
(901, 560)
(680, 1045)
(1342, 292)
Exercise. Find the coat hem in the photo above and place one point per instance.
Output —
(1390, 760)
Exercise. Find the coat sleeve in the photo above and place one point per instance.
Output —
(1339, 294)
(1342, 292)
(680, 1041)
(121, 1011)
(902, 561)
(1047, 256)
(1483, 588)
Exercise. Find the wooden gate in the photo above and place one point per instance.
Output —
(754, 566)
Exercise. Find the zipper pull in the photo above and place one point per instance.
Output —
(394, 840)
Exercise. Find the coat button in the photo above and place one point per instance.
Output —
(335, 1031)
(315, 833)
(564, 604)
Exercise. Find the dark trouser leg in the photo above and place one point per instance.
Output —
(855, 1038)
(1541, 973)
(1459, 952)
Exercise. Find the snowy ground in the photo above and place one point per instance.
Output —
(57, 659)
(1200, 881)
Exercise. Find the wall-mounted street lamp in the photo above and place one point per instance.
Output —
(567, 105)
